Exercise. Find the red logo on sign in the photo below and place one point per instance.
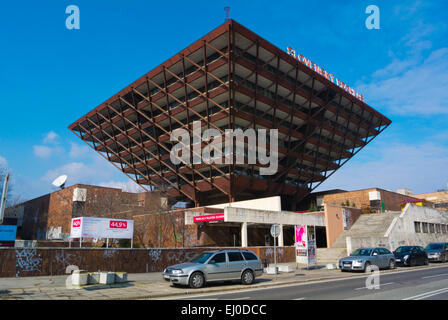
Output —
(76, 223)
(115, 224)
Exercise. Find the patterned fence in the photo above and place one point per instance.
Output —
(23, 262)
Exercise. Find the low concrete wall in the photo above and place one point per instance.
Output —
(17, 262)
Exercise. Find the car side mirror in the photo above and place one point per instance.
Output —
(375, 254)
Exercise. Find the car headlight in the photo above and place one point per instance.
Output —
(177, 271)
(406, 257)
(357, 262)
(436, 254)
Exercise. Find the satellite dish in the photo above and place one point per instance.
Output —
(59, 182)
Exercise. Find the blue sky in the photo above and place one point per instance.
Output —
(50, 76)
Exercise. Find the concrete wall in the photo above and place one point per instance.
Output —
(54, 261)
(335, 223)
(270, 203)
(271, 217)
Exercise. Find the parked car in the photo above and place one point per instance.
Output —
(212, 266)
(437, 251)
(410, 256)
(362, 258)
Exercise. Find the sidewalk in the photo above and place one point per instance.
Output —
(144, 286)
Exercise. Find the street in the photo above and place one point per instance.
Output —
(418, 284)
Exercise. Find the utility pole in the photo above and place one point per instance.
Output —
(3, 199)
(227, 15)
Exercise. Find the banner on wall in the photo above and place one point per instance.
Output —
(90, 227)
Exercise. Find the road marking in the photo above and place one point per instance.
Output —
(381, 284)
(437, 275)
(427, 294)
(283, 285)
(243, 298)
(299, 299)
(430, 295)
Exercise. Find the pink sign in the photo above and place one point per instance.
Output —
(301, 240)
(209, 217)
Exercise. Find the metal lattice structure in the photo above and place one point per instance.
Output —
(231, 78)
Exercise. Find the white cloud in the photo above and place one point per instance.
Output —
(51, 137)
(77, 151)
(419, 89)
(129, 186)
(419, 167)
(43, 151)
(3, 162)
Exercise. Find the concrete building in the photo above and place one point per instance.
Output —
(231, 79)
(415, 225)
(368, 200)
(439, 198)
(49, 217)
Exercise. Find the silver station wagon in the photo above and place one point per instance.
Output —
(362, 258)
(212, 266)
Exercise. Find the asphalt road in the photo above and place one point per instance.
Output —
(416, 284)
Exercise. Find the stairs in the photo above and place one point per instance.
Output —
(373, 225)
(330, 255)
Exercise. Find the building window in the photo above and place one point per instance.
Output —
(431, 228)
(418, 227)
(438, 228)
(444, 228)
(425, 227)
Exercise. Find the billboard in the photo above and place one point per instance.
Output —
(7, 235)
(90, 227)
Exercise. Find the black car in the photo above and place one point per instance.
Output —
(437, 251)
(410, 256)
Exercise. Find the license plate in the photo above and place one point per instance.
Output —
(398, 260)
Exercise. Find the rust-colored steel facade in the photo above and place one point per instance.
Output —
(231, 79)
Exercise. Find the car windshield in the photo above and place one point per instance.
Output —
(403, 249)
(434, 246)
(362, 252)
(202, 257)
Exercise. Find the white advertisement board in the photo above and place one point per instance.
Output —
(90, 227)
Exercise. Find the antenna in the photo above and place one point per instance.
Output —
(3, 199)
(227, 15)
(59, 182)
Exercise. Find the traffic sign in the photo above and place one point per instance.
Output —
(275, 230)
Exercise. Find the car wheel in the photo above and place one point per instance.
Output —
(391, 264)
(444, 259)
(426, 262)
(412, 263)
(366, 266)
(197, 280)
(247, 277)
